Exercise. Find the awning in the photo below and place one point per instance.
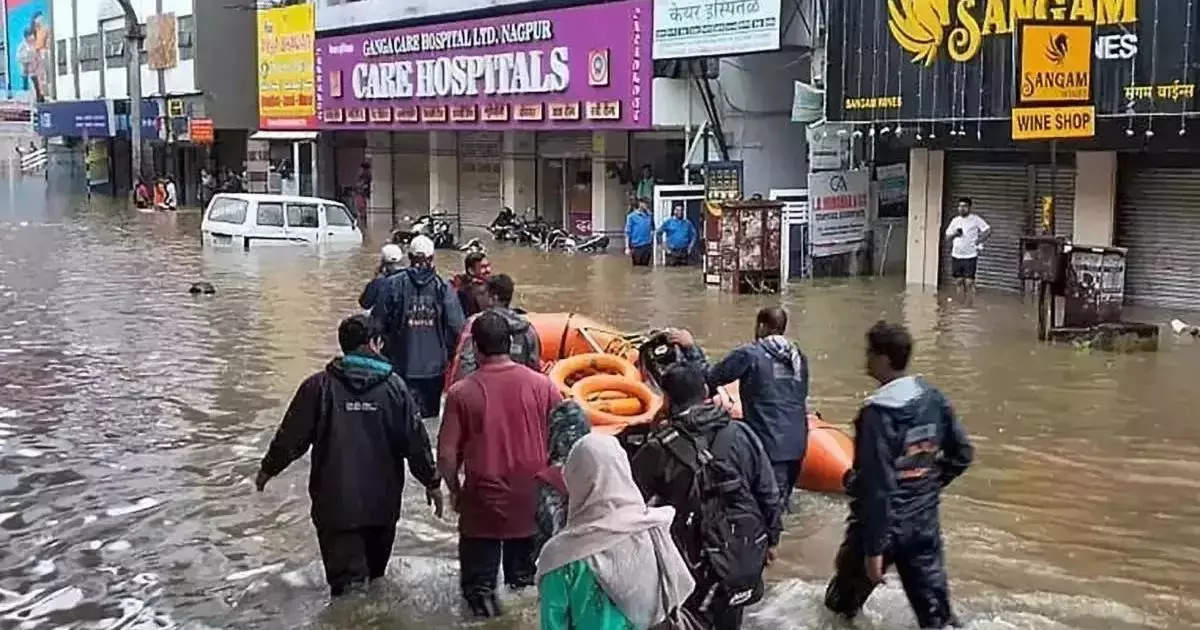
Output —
(284, 135)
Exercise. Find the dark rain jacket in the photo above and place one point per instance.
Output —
(362, 424)
(772, 377)
(664, 480)
(375, 288)
(526, 346)
(908, 445)
(421, 318)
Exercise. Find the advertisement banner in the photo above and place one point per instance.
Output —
(286, 68)
(711, 28)
(29, 42)
(337, 14)
(75, 119)
(162, 41)
(587, 67)
(838, 203)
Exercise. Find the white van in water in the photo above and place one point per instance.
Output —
(245, 220)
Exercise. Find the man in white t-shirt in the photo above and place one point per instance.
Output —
(969, 232)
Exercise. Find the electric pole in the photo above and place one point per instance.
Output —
(133, 69)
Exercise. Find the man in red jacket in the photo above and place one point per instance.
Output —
(494, 431)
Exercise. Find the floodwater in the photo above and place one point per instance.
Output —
(133, 415)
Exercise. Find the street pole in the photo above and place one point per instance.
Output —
(133, 68)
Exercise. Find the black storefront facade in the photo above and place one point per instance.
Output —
(936, 79)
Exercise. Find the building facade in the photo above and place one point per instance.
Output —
(1075, 119)
(197, 76)
(552, 108)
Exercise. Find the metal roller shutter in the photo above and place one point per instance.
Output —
(1001, 194)
(1159, 221)
(480, 192)
(1064, 197)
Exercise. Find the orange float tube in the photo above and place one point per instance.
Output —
(829, 455)
(591, 364)
(566, 334)
(649, 402)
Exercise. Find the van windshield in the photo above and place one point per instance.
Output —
(227, 210)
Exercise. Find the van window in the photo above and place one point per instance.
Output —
(302, 216)
(227, 210)
(337, 215)
(270, 214)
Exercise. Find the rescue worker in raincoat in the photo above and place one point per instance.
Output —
(421, 317)
(908, 446)
(526, 347)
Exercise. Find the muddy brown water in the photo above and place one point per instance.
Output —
(132, 417)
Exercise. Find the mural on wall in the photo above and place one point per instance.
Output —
(29, 42)
(162, 41)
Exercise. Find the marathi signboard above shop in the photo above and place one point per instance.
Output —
(587, 67)
(956, 61)
(338, 14)
(710, 28)
(286, 69)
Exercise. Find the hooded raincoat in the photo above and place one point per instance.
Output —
(422, 318)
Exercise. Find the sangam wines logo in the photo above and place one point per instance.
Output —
(924, 27)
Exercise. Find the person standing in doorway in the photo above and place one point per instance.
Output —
(969, 232)
(361, 423)
(494, 432)
(908, 446)
(422, 318)
(772, 376)
(639, 234)
(644, 188)
(679, 236)
(364, 191)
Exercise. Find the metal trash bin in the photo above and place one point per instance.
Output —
(1094, 285)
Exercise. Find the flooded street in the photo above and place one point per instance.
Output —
(133, 417)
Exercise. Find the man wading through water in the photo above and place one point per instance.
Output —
(362, 424)
(494, 431)
(525, 348)
(422, 318)
(969, 232)
(772, 377)
(908, 445)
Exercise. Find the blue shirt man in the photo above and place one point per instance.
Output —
(639, 234)
(680, 236)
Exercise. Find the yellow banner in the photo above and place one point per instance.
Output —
(286, 60)
(1053, 123)
(1056, 63)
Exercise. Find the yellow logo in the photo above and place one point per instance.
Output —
(923, 27)
(1056, 63)
(1056, 50)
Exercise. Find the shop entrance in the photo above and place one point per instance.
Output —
(566, 193)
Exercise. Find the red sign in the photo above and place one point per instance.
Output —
(201, 130)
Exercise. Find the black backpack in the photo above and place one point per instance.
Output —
(724, 538)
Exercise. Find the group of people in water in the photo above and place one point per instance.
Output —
(672, 530)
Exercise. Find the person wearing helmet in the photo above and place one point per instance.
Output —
(421, 318)
(391, 261)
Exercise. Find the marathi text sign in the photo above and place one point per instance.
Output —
(709, 28)
(587, 67)
(838, 202)
(286, 68)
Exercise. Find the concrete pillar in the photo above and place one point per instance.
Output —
(379, 154)
(443, 170)
(610, 199)
(926, 181)
(519, 170)
(1095, 197)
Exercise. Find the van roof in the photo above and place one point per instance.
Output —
(261, 197)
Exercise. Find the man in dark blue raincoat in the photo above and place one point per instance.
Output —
(908, 446)
(421, 317)
(772, 375)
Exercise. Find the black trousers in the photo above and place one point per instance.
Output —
(786, 474)
(677, 257)
(714, 610)
(479, 562)
(355, 556)
(641, 255)
(428, 392)
(919, 562)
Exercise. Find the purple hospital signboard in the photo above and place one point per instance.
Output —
(581, 68)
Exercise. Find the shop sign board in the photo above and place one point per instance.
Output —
(582, 68)
(958, 61)
(1054, 123)
(1054, 75)
(710, 28)
(837, 215)
(75, 119)
(201, 130)
(342, 14)
(893, 183)
(286, 68)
